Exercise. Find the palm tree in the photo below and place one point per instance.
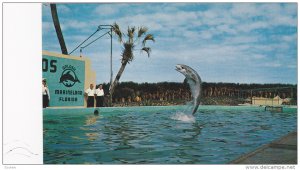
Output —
(129, 46)
(58, 29)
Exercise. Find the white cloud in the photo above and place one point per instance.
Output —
(76, 38)
(290, 9)
(105, 10)
(109, 9)
(46, 27)
(273, 64)
(226, 29)
(279, 15)
(74, 24)
(241, 39)
(206, 34)
(258, 56)
(216, 17)
(63, 9)
(284, 20)
(289, 38)
(244, 10)
(250, 26)
(46, 10)
(292, 66)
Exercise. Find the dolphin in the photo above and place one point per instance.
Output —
(194, 81)
(67, 76)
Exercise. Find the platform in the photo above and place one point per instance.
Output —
(274, 109)
(281, 151)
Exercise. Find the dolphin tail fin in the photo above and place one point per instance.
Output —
(76, 79)
(195, 110)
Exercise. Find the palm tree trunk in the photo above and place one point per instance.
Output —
(115, 82)
(58, 29)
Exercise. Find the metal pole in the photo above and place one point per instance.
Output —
(251, 96)
(111, 72)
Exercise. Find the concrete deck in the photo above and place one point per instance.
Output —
(281, 151)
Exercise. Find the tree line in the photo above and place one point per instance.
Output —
(173, 93)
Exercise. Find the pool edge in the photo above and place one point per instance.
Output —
(273, 152)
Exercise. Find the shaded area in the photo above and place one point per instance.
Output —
(282, 151)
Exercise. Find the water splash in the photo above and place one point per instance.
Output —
(181, 116)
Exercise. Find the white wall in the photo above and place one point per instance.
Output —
(22, 75)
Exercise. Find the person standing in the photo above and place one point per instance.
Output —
(46, 94)
(90, 92)
(99, 93)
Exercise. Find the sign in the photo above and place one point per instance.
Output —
(65, 79)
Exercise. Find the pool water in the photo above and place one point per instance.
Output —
(155, 135)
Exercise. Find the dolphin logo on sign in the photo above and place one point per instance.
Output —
(68, 77)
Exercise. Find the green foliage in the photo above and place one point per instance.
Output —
(122, 89)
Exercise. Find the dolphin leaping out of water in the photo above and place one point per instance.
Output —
(194, 81)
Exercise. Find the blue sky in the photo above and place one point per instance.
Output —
(223, 42)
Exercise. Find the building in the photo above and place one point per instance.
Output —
(276, 101)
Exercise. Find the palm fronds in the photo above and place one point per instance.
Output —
(129, 48)
(130, 34)
(147, 38)
(117, 31)
(142, 31)
(147, 50)
(127, 53)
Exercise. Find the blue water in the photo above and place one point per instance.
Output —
(151, 135)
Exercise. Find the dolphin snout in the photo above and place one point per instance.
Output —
(178, 67)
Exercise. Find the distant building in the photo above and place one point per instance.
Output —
(276, 101)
